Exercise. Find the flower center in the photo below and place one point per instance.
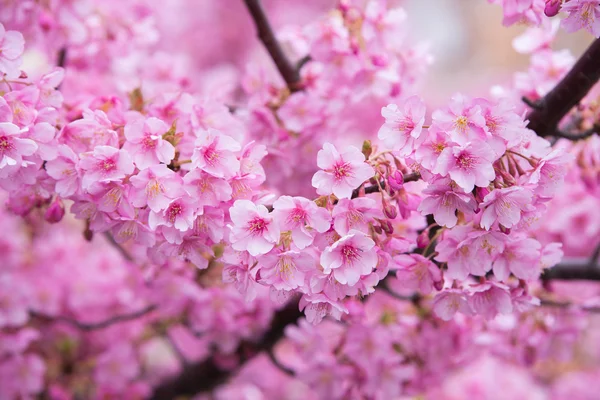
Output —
(107, 165)
(211, 155)
(461, 123)
(465, 161)
(341, 170)
(174, 211)
(350, 253)
(257, 226)
(5, 144)
(297, 216)
(148, 142)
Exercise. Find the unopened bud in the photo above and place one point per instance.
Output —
(387, 227)
(396, 180)
(552, 7)
(480, 194)
(377, 229)
(55, 211)
(423, 239)
(438, 285)
(390, 211)
(367, 149)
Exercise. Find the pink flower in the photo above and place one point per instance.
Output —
(402, 130)
(490, 299)
(285, 270)
(448, 302)
(456, 250)
(214, 153)
(417, 273)
(12, 45)
(550, 172)
(65, 171)
(318, 306)
(463, 120)
(341, 172)
(145, 142)
(180, 214)
(582, 14)
(104, 164)
(505, 206)
(444, 200)
(355, 214)
(468, 165)
(155, 187)
(350, 258)
(521, 256)
(429, 152)
(253, 228)
(22, 376)
(12, 147)
(117, 366)
(207, 189)
(301, 112)
(302, 217)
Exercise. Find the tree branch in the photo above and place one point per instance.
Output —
(572, 271)
(287, 70)
(118, 246)
(548, 112)
(206, 375)
(85, 326)
(412, 177)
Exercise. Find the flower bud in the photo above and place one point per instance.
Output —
(423, 239)
(552, 7)
(390, 211)
(480, 194)
(387, 227)
(55, 212)
(396, 180)
(367, 149)
(377, 229)
(438, 285)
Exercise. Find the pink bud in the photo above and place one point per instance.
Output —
(377, 229)
(390, 211)
(396, 180)
(387, 227)
(480, 194)
(438, 285)
(423, 239)
(55, 212)
(552, 7)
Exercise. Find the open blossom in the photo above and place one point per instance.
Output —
(583, 14)
(521, 256)
(214, 153)
(350, 258)
(448, 302)
(340, 173)
(463, 120)
(302, 217)
(468, 165)
(300, 112)
(355, 214)
(12, 45)
(12, 147)
(104, 164)
(402, 130)
(253, 228)
(490, 299)
(285, 270)
(548, 175)
(145, 142)
(156, 187)
(208, 190)
(417, 273)
(180, 214)
(505, 206)
(443, 200)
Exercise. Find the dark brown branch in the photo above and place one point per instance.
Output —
(549, 111)
(90, 326)
(206, 375)
(572, 271)
(62, 57)
(288, 71)
(577, 136)
(569, 306)
(412, 177)
(280, 366)
(118, 246)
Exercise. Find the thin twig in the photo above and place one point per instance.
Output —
(577, 136)
(118, 246)
(288, 371)
(572, 271)
(287, 70)
(593, 261)
(90, 326)
(62, 57)
(569, 306)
